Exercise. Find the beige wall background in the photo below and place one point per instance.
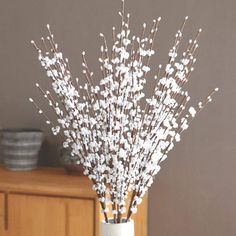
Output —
(195, 192)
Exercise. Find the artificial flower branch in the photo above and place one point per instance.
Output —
(119, 142)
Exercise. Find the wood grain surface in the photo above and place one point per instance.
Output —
(47, 202)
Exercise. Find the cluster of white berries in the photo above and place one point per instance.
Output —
(119, 142)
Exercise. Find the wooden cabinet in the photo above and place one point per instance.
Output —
(46, 202)
(2, 214)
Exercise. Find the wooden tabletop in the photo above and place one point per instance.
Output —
(46, 181)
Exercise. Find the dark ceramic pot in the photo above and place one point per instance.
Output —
(20, 148)
(69, 162)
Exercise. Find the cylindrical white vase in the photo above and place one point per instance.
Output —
(121, 229)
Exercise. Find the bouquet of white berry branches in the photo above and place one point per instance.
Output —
(119, 141)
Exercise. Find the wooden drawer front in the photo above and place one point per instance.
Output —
(35, 216)
(2, 213)
(50, 216)
(81, 218)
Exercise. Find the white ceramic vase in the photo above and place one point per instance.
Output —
(122, 229)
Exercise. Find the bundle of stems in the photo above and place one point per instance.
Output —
(119, 141)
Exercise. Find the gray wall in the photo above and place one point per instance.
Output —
(195, 193)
